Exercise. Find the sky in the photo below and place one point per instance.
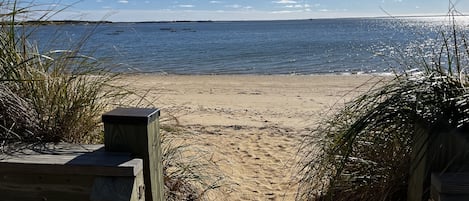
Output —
(171, 10)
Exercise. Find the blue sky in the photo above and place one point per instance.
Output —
(155, 10)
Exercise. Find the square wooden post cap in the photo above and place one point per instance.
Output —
(131, 116)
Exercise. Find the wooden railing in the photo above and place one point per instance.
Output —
(127, 167)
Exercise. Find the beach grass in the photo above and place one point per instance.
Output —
(367, 149)
(189, 174)
(59, 95)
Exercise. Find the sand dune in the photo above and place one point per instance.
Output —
(251, 125)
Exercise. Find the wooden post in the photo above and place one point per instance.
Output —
(419, 165)
(440, 148)
(136, 130)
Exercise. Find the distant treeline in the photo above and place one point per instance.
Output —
(53, 22)
(62, 22)
(178, 21)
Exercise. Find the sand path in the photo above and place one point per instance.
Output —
(251, 125)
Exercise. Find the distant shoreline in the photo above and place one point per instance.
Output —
(380, 74)
(65, 22)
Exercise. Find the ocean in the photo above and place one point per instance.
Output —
(316, 46)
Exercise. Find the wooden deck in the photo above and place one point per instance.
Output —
(69, 172)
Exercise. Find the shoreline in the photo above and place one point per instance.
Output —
(250, 125)
(381, 74)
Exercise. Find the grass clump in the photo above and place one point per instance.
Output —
(53, 96)
(366, 150)
(189, 173)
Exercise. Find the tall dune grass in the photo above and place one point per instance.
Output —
(365, 151)
(59, 94)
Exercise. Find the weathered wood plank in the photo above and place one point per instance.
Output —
(25, 187)
(118, 189)
(34, 187)
(124, 170)
(446, 197)
(90, 162)
(51, 148)
(72, 173)
(451, 183)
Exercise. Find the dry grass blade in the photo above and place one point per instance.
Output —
(188, 173)
(17, 116)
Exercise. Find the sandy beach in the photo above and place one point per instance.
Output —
(251, 125)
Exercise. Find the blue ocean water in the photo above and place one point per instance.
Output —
(368, 45)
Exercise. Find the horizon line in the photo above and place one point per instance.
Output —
(247, 20)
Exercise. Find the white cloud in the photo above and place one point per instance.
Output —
(123, 1)
(215, 1)
(305, 6)
(248, 7)
(294, 6)
(99, 1)
(186, 6)
(286, 1)
(324, 10)
(234, 6)
(282, 11)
